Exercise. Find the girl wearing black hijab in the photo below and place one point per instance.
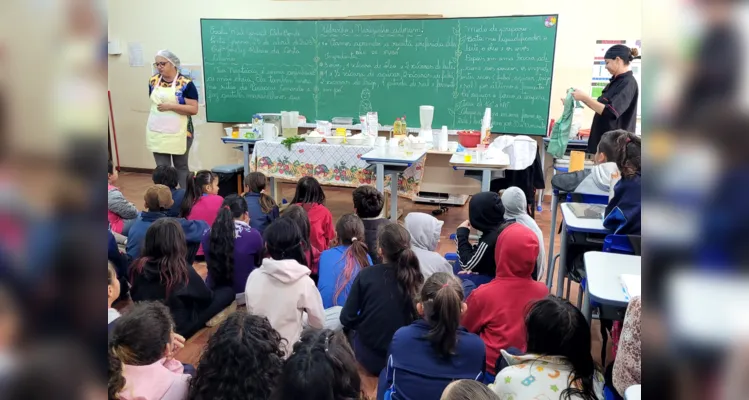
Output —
(616, 108)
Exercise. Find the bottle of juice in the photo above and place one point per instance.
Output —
(397, 127)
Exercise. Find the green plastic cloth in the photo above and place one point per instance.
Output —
(560, 133)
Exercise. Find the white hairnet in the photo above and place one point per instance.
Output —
(169, 56)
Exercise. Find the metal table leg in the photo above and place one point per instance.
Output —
(394, 197)
(380, 181)
(486, 180)
(562, 260)
(549, 279)
(246, 156)
(586, 308)
(273, 189)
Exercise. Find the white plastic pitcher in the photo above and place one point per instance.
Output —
(270, 131)
(289, 123)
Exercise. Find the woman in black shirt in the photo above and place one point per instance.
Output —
(381, 299)
(616, 108)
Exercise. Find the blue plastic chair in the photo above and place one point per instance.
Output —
(620, 244)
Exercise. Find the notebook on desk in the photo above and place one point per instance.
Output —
(631, 285)
(588, 211)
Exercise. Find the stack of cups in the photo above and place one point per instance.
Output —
(442, 142)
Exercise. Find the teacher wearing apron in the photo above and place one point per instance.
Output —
(616, 108)
(174, 98)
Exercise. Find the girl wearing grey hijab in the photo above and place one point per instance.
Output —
(515, 204)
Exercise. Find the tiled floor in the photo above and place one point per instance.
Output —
(134, 185)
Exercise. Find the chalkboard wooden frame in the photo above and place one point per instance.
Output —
(395, 18)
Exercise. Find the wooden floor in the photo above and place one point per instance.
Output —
(133, 186)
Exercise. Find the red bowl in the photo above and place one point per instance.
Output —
(469, 139)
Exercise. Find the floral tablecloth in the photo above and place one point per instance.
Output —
(330, 164)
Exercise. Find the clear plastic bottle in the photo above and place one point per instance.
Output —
(404, 128)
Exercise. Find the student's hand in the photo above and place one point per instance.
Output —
(178, 342)
(467, 273)
(465, 224)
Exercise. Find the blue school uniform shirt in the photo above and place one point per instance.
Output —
(258, 219)
(416, 371)
(177, 195)
(623, 213)
(330, 268)
(194, 231)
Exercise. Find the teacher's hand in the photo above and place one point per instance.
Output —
(165, 107)
(579, 95)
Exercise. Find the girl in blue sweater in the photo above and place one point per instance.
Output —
(339, 265)
(434, 350)
(623, 213)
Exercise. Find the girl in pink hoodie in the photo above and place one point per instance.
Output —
(201, 201)
(310, 196)
(141, 348)
(281, 289)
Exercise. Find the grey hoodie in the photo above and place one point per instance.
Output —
(425, 235)
(515, 204)
(282, 291)
(599, 180)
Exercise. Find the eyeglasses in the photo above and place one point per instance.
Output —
(160, 64)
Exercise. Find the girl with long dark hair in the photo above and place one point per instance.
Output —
(340, 265)
(201, 201)
(624, 211)
(242, 360)
(162, 273)
(297, 214)
(281, 288)
(310, 196)
(557, 364)
(233, 249)
(434, 350)
(382, 298)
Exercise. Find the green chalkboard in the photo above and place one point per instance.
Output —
(345, 68)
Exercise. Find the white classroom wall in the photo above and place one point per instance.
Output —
(175, 24)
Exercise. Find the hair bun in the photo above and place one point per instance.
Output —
(634, 53)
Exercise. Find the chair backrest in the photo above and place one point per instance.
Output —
(623, 244)
(587, 198)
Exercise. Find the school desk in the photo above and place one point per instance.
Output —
(571, 223)
(604, 286)
(247, 146)
(391, 162)
(478, 163)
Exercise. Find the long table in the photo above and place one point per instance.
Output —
(331, 164)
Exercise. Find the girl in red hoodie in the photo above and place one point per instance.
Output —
(297, 214)
(310, 196)
(496, 310)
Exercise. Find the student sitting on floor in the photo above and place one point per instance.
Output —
(516, 208)
(310, 196)
(242, 360)
(119, 262)
(558, 364)
(158, 199)
(381, 300)
(121, 213)
(263, 209)
(496, 309)
(162, 273)
(368, 203)
(425, 233)
(167, 175)
(340, 265)
(623, 213)
(468, 389)
(232, 248)
(297, 214)
(627, 367)
(113, 292)
(434, 350)
(322, 367)
(201, 202)
(141, 348)
(281, 288)
(486, 214)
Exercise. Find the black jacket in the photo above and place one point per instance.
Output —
(486, 214)
(371, 226)
(376, 307)
(185, 301)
